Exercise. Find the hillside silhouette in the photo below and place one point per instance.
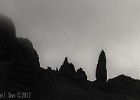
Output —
(20, 71)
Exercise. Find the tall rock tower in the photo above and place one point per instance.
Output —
(101, 72)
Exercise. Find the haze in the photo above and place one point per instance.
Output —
(80, 29)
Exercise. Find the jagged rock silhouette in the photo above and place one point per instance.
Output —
(67, 69)
(20, 71)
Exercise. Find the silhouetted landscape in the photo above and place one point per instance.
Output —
(20, 71)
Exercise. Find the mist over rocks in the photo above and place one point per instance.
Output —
(7, 38)
(20, 71)
(18, 59)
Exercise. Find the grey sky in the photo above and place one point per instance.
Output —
(80, 29)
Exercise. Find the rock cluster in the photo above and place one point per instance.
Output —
(68, 70)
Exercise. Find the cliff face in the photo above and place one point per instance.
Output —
(13, 48)
(18, 60)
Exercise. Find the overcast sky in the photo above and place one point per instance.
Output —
(80, 29)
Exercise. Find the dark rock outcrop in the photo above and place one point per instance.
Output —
(28, 53)
(7, 39)
(124, 85)
(67, 69)
(81, 74)
(19, 62)
(101, 72)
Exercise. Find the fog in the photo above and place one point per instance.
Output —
(80, 29)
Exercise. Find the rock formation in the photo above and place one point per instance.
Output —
(19, 61)
(7, 38)
(20, 71)
(81, 74)
(101, 72)
(67, 69)
(124, 85)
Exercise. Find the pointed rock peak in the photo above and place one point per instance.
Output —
(66, 61)
(102, 52)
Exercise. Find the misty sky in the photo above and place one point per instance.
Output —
(80, 29)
